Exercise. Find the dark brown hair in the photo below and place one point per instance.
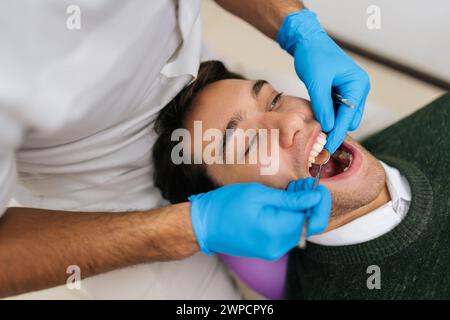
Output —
(178, 181)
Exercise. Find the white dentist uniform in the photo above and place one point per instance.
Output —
(76, 107)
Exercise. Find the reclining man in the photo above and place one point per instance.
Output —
(390, 206)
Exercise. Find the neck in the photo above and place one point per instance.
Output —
(338, 221)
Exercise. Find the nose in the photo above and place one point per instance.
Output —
(288, 125)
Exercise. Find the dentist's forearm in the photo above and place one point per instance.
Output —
(37, 246)
(265, 15)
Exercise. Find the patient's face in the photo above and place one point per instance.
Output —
(352, 184)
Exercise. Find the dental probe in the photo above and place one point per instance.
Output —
(342, 100)
(322, 158)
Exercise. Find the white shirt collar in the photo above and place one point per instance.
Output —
(377, 222)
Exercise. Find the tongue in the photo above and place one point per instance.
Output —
(328, 170)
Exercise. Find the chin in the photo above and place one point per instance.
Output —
(358, 183)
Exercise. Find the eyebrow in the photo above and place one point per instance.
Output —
(257, 86)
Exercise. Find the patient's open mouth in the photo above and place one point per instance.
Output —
(339, 163)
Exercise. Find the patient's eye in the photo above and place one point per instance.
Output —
(274, 103)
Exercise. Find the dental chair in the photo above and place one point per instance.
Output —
(258, 278)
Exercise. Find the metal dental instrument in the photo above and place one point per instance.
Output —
(322, 158)
(342, 100)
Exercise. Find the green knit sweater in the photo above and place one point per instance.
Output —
(413, 258)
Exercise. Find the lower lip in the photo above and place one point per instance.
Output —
(354, 166)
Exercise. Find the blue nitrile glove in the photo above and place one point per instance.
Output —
(324, 67)
(318, 218)
(251, 220)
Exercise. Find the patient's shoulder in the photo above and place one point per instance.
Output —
(422, 138)
(429, 125)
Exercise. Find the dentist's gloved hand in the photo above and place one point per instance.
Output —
(324, 67)
(318, 219)
(252, 220)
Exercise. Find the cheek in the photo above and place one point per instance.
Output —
(230, 174)
(225, 174)
(300, 105)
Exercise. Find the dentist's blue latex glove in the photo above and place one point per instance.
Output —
(324, 67)
(318, 220)
(252, 220)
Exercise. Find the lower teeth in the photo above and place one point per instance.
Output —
(343, 157)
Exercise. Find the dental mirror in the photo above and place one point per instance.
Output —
(322, 158)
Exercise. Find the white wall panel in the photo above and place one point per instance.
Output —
(413, 32)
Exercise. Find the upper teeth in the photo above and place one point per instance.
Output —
(317, 148)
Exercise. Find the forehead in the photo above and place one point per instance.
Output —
(217, 102)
